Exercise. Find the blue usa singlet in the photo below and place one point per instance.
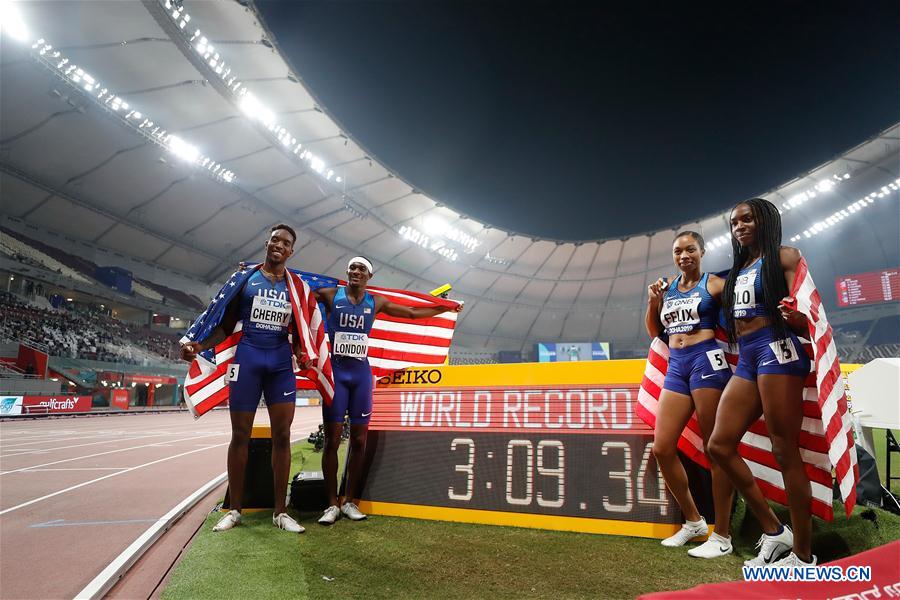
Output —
(349, 325)
(265, 311)
(748, 292)
(685, 312)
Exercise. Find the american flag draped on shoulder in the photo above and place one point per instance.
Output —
(394, 343)
(826, 441)
(206, 385)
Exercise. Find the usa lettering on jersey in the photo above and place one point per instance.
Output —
(350, 321)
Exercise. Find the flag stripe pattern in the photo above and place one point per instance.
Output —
(206, 384)
(394, 343)
(397, 343)
(825, 440)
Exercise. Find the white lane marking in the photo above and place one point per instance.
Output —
(65, 460)
(67, 435)
(77, 469)
(64, 523)
(81, 485)
(110, 441)
(102, 583)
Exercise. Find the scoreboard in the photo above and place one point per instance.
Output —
(868, 288)
(554, 446)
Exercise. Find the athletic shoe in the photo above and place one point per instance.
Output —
(714, 547)
(771, 548)
(284, 521)
(231, 519)
(791, 560)
(331, 514)
(352, 512)
(687, 532)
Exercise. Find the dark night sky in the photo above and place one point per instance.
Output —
(589, 121)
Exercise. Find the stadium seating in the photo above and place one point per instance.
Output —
(84, 335)
(25, 249)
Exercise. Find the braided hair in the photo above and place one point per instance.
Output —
(774, 286)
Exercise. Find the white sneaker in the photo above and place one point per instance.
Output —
(352, 512)
(331, 514)
(791, 560)
(687, 532)
(231, 519)
(716, 546)
(771, 548)
(286, 522)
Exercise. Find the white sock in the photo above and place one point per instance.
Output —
(699, 523)
(720, 538)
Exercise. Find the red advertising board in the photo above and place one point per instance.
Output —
(55, 404)
(151, 379)
(119, 398)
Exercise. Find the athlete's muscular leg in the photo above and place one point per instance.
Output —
(330, 460)
(706, 402)
(358, 435)
(739, 408)
(672, 415)
(241, 425)
(782, 401)
(281, 416)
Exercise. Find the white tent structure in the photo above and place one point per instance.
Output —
(170, 137)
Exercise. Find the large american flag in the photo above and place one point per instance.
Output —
(206, 384)
(394, 343)
(826, 441)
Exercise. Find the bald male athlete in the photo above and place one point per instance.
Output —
(351, 312)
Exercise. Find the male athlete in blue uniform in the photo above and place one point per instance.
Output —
(351, 312)
(262, 366)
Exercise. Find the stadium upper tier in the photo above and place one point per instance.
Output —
(175, 135)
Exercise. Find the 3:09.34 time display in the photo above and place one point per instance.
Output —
(584, 475)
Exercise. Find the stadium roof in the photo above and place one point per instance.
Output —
(178, 134)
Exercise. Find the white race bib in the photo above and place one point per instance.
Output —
(745, 294)
(352, 344)
(270, 312)
(680, 315)
(717, 359)
(784, 351)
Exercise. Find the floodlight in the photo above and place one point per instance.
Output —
(183, 150)
(11, 22)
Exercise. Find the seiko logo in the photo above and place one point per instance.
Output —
(412, 377)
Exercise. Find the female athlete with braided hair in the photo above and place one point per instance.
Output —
(769, 378)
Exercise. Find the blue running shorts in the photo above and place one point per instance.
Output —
(701, 365)
(259, 372)
(352, 391)
(761, 354)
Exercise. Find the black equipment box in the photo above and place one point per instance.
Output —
(308, 491)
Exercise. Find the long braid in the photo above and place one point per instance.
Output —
(768, 238)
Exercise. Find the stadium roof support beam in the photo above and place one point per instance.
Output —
(117, 219)
(158, 13)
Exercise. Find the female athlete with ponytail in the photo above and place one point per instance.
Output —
(687, 310)
(769, 378)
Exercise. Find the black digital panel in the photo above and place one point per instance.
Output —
(601, 476)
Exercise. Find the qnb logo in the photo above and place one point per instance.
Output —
(412, 377)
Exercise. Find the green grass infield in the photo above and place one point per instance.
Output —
(388, 557)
